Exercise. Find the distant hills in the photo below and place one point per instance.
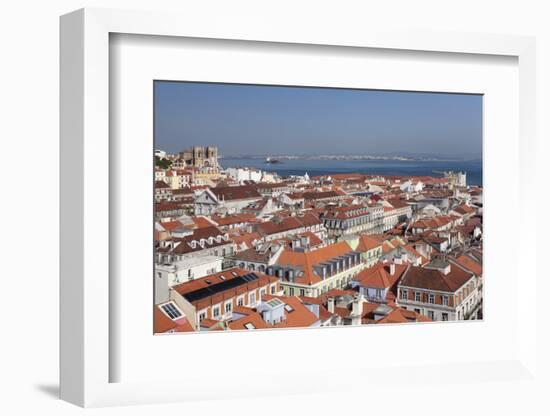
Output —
(401, 156)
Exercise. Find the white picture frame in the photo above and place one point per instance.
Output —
(87, 357)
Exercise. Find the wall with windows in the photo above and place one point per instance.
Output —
(337, 281)
(223, 310)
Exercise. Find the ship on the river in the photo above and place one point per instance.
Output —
(271, 160)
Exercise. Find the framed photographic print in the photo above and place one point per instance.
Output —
(304, 207)
(275, 206)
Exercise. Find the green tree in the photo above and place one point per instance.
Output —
(162, 163)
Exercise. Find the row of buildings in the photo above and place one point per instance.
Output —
(236, 253)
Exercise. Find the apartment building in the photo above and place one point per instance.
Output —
(353, 219)
(441, 290)
(207, 241)
(378, 284)
(228, 199)
(168, 275)
(214, 297)
(312, 273)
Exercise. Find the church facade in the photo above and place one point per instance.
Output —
(200, 157)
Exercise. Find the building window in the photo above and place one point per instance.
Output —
(202, 315)
(302, 292)
(431, 298)
(444, 316)
(273, 289)
(171, 310)
(216, 312)
(290, 291)
(431, 315)
(252, 299)
(240, 301)
(417, 296)
(445, 301)
(404, 294)
(228, 307)
(262, 293)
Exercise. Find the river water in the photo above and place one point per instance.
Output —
(473, 168)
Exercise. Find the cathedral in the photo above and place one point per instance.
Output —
(201, 157)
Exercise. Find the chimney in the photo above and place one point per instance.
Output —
(330, 305)
(392, 269)
(357, 305)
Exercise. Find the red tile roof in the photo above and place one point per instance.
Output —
(401, 316)
(424, 278)
(246, 238)
(313, 196)
(162, 323)
(161, 185)
(202, 222)
(342, 213)
(298, 317)
(470, 264)
(185, 243)
(234, 219)
(379, 277)
(230, 193)
(250, 317)
(367, 243)
(464, 209)
(217, 278)
(306, 260)
(171, 225)
(435, 222)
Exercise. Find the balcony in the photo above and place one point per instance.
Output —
(473, 312)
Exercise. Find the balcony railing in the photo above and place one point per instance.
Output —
(473, 310)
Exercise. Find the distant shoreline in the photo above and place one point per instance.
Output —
(324, 167)
(351, 158)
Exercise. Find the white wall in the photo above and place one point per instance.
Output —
(29, 129)
(185, 270)
(240, 174)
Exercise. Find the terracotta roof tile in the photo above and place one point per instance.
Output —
(431, 279)
(299, 316)
(306, 260)
(229, 193)
(379, 277)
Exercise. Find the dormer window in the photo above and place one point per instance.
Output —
(171, 310)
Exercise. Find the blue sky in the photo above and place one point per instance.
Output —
(271, 120)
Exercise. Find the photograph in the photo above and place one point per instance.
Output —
(308, 207)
